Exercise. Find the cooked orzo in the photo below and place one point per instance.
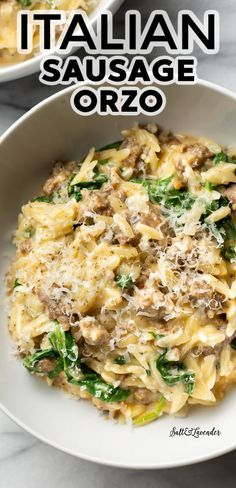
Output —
(123, 289)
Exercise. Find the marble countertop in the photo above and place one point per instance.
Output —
(28, 463)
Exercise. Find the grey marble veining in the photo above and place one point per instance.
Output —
(25, 462)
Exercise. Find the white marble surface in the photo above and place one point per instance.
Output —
(24, 461)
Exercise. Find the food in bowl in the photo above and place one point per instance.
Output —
(123, 289)
(8, 24)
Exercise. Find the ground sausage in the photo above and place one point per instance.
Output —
(142, 395)
(93, 332)
(56, 309)
(208, 350)
(60, 173)
(230, 193)
(135, 151)
(193, 155)
(94, 201)
(46, 365)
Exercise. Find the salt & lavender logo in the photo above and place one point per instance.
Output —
(194, 432)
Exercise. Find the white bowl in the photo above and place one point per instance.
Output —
(53, 131)
(19, 70)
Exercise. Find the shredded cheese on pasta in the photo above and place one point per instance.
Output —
(123, 286)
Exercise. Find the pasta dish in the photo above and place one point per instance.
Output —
(8, 23)
(123, 289)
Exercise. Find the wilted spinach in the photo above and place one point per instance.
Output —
(95, 184)
(222, 157)
(162, 192)
(233, 343)
(215, 205)
(64, 345)
(43, 198)
(97, 387)
(64, 351)
(16, 283)
(227, 231)
(113, 145)
(32, 363)
(120, 360)
(174, 372)
(25, 3)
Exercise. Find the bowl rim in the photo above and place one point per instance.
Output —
(32, 65)
(106, 462)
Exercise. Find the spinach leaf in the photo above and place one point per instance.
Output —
(120, 360)
(98, 388)
(113, 145)
(174, 372)
(208, 185)
(25, 3)
(215, 205)
(124, 281)
(155, 335)
(224, 232)
(98, 181)
(32, 363)
(222, 157)
(162, 192)
(227, 230)
(103, 162)
(65, 352)
(228, 252)
(233, 343)
(74, 191)
(16, 283)
(64, 345)
(95, 184)
(29, 232)
(43, 198)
